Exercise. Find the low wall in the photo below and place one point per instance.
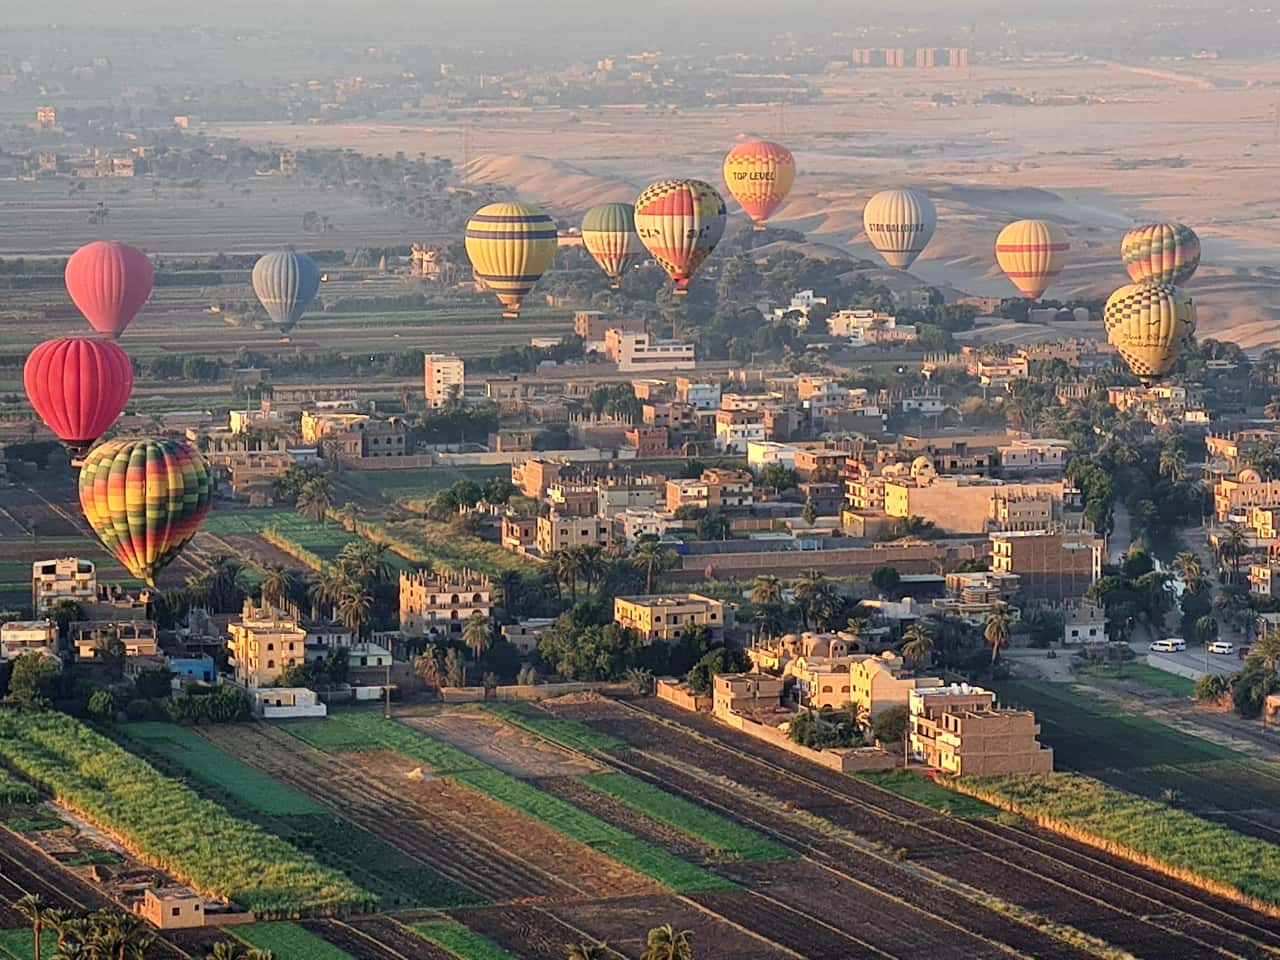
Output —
(528, 691)
(585, 455)
(1169, 665)
(680, 695)
(228, 919)
(854, 760)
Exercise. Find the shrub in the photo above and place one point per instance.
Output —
(891, 725)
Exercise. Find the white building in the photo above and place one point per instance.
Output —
(443, 378)
(763, 453)
(700, 396)
(630, 525)
(28, 636)
(286, 703)
(1034, 456)
(863, 327)
(737, 429)
(1083, 623)
(634, 352)
(67, 578)
(929, 404)
(801, 303)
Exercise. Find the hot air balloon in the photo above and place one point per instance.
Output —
(759, 174)
(1161, 253)
(144, 498)
(609, 234)
(1032, 253)
(78, 386)
(680, 222)
(1150, 324)
(286, 283)
(109, 282)
(899, 224)
(510, 246)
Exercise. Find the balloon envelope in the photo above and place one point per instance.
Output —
(680, 222)
(1032, 253)
(759, 175)
(78, 386)
(609, 234)
(899, 224)
(285, 283)
(510, 245)
(145, 498)
(1150, 324)
(109, 282)
(1161, 253)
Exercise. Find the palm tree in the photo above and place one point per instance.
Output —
(564, 567)
(1173, 463)
(276, 584)
(229, 950)
(590, 564)
(586, 951)
(996, 631)
(917, 647)
(665, 943)
(327, 589)
(32, 907)
(355, 606)
(315, 498)
(1233, 544)
(476, 633)
(766, 589)
(653, 559)
(348, 515)
(510, 587)
(1266, 649)
(1190, 569)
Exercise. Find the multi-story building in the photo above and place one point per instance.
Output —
(1051, 565)
(263, 643)
(1001, 373)
(444, 376)
(818, 461)
(355, 436)
(737, 428)
(1034, 456)
(1233, 496)
(559, 533)
(669, 617)
(630, 525)
(649, 442)
(715, 489)
(1263, 522)
(970, 504)
(1083, 623)
(91, 637)
(28, 636)
(591, 326)
(766, 453)
(634, 352)
(877, 683)
(700, 396)
(969, 456)
(573, 498)
(67, 578)
(519, 532)
(959, 730)
(617, 493)
(821, 681)
(534, 477)
(441, 602)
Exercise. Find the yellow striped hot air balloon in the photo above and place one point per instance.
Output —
(759, 174)
(1161, 253)
(609, 234)
(1032, 253)
(899, 224)
(510, 246)
(1150, 324)
(680, 222)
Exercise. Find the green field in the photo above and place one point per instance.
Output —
(288, 941)
(462, 943)
(393, 485)
(443, 546)
(567, 733)
(1141, 673)
(1142, 756)
(201, 758)
(324, 540)
(368, 731)
(928, 793)
(18, 944)
(15, 791)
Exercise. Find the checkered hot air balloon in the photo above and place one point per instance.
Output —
(609, 234)
(1161, 253)
(1032, 253)
(759, 175)
(680, 222)
(145, 498)
(1150, 324)
(510, 245)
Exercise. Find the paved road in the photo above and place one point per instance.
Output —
(1193, 658)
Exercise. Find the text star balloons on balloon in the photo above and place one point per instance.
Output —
(145, 498)
(1161, 253)
(899, 224)
(759, 175)
(680, 222)
(109, 282)
(1032, 253)
(510, 245)
(286, 283)
(1150, 324)
(609, 234)
(78, 386)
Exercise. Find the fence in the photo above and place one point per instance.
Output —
(528, 691)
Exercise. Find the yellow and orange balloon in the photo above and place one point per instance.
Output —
(1032, 253)
(759, 175)
(680, 222)
(1150, 324)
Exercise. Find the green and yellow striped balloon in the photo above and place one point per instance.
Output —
(145, 498)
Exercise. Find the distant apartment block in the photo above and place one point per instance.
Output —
(263, 643)
(441, 602)
(635, 352)
(66, 578)
(28, 636)
(669, 617)
(444, 376)
(1051, 565)
(559, 533)
(959, 730)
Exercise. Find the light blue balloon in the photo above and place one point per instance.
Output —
(286, 283)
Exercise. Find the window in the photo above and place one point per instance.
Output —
(177, 911)
(271, 646)
(271, 664)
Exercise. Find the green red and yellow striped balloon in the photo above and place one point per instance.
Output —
(609, 234)
(1161, 253)
(680, 222)
(511, 245)
(145, 498)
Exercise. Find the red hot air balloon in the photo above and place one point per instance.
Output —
(78, 386)
(109, 282)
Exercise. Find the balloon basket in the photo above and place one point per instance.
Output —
(680, 292)
(77, 461)
(510, 315)
(759, 228)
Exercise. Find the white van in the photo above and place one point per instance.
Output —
(1169, 645)
(1222, 646)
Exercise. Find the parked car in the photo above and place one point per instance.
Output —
(1169, 645)
(1222, 646)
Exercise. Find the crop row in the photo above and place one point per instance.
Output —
(288, 941)
(567, 733)
(368, 732)
(428, 542)
(15, 791)
(461, 942)
(166, 823)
